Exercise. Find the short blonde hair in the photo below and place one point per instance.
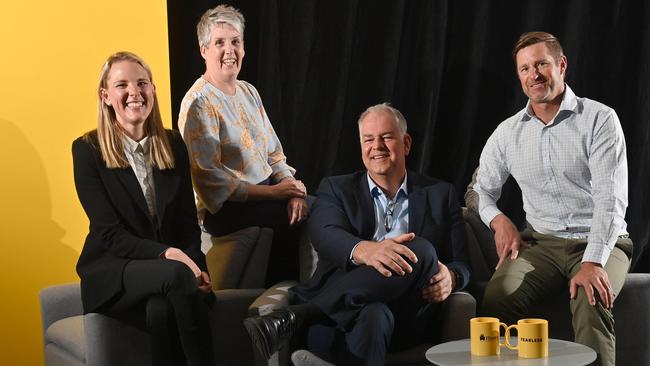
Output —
(219, 14)
(109, 132)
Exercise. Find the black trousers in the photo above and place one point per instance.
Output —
(233, 216)
(371, 313)
(162, 296)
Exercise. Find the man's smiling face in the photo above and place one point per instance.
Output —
(383, 146)
(540, 74)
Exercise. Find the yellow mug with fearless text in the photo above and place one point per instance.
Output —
(484, 336)
(532, 338)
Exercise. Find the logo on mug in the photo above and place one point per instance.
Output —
(530, 340)
(488, 338)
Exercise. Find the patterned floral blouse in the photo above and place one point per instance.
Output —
(231, 143)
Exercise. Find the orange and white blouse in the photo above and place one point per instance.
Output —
(231, 143)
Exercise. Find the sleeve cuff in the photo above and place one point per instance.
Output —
(241, 192)
(597, 253)
(488, 214)
(461, 282)
(277, 177)
(352, 253)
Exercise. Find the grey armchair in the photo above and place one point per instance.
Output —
(457, 310)
(74, 339)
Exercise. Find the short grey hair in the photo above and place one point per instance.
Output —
(387, 108)
(218, 15)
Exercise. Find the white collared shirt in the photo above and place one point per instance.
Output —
(572, 172)
(137, 154)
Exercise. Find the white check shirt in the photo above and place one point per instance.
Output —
(572, 173)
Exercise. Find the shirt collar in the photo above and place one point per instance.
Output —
(130, 145)
(375, 191)
(569, 104)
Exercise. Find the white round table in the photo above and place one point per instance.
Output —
(560, 352)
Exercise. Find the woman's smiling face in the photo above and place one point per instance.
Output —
(130, 92)
(225, 52)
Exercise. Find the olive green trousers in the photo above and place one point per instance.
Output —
(543, 270)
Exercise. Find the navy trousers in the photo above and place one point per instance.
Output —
(371, 313)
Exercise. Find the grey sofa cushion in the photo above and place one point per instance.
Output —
(68, 334)
(239, 259)
(57, 356)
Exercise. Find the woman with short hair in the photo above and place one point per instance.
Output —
(239, 169)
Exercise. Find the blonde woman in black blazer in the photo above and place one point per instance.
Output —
(141, 261)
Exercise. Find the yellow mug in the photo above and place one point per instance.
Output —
(484, 336)
(532, 338)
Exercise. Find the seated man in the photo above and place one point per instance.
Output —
(568, 156)
(391, 246)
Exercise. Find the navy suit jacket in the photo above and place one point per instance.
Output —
(343, 215)
(121, 228)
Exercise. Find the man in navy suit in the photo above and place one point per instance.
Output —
(391, 247)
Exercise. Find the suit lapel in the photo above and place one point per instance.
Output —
(130, 182)
(366, 206)
(165, 183)
(417, 204)
(126, 177)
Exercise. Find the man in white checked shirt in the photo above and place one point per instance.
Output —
(568, 156)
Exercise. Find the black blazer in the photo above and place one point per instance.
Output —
(121, 228)
(343, 215)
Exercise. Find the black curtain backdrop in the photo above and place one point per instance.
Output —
(445, 64)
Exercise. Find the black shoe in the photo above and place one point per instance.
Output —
(268, 332)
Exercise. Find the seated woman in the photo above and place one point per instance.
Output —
(239, 170)
(141, 262)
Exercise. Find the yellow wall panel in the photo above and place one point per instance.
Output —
(50, 56)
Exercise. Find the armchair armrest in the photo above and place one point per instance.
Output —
(231, 343)
(59, 302)
(110, 341)
(275, 297)
(632, 314)
(457, 310)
